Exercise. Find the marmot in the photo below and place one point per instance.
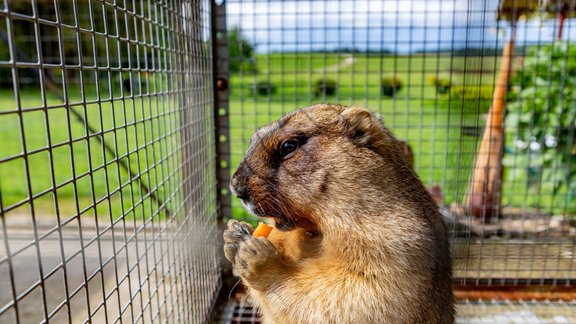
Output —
(357, 237)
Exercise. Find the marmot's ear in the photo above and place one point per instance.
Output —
(361, 126)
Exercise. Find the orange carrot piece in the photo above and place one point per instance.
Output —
(262, 230)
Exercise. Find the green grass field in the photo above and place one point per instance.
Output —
(77, 165)
(439, 128)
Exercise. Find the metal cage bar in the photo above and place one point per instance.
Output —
(107, 174)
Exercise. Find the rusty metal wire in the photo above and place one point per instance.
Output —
(107, 180)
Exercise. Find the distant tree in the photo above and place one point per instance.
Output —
(241, 52)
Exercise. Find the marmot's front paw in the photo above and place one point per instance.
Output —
(235, 233)
(251, 256)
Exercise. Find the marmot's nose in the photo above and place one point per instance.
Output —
(238, 186)
(239, 191)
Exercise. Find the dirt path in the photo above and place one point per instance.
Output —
(346, 62)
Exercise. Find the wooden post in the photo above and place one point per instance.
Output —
(561, 19)
(484, 192)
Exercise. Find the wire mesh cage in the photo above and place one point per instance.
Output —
(482, 92)
(117, 146)
(107, 177)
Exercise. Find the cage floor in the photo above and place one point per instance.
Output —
(501, 312)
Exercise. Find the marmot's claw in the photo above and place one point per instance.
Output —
(240, 227)
(233, 236)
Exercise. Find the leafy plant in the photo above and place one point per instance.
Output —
(442, 85)
(325, 87)
(390, 86)
(471, 92)
(471, 98)
(264, 88)
(541, 117)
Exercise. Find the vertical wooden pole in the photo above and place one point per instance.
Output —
(561, 19)
(484, 192)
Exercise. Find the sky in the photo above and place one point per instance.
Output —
(402, 26)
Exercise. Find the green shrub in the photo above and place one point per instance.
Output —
(542, 117)
(390, 86)
(325, 87)
(264, 88)
(442, 85)
(476, 98)
(471, 92)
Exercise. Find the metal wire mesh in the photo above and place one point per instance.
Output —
(107, 180)
(108, 172)
(430, 69)
(483, 312)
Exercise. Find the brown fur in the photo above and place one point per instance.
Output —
(358, 239)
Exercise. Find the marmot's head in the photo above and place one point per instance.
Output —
(321, 160)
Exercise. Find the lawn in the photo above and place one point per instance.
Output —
(296, 73)
(64, 154)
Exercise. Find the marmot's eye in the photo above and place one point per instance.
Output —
(288, 147)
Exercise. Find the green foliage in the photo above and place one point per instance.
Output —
(442, 85)
(241, 53)
(472, 98)
(541, 117)
(471, 92)
(264, 88)
(390, 86)
(325, 87)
